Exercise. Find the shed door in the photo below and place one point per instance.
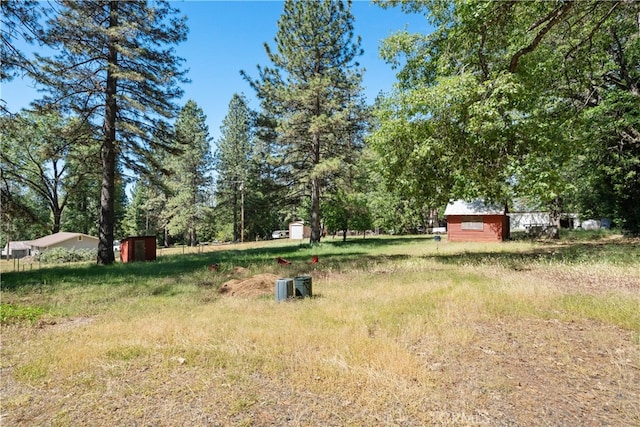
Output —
(138, 254)
(296, 231)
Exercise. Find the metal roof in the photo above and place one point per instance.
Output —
(476, 207)
(18, 245)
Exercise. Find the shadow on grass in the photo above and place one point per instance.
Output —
(354, 254)
(335, 255)
(618, 252)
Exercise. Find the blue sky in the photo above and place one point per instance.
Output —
(228, 36)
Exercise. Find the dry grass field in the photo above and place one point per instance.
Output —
(399, 332)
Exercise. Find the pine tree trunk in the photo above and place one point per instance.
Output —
(235, 213)
(107, 198)
(315, 210)
(315, 193)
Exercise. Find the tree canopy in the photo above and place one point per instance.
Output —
(233, 156)
(501, 99)
(189, 177)
(52, 156)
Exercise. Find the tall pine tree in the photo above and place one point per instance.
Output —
(18, 21)
(313, 89)
(232, 160)
(116, 67)
(190, 178)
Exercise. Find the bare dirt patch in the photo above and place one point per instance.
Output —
(519, 372)
(65, 323)
(573, 280)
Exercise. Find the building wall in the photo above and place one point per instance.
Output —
(63, 240)
(521, 221)
(74, 243)
(494, 229)
(296, 230)
(140, 248)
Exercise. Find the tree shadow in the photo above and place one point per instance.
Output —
(354, 254)
(619, 252)
(220, 262)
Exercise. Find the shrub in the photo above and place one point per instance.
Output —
(62, 255)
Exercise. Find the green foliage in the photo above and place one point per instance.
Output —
(347, 206)
(52, 156)
(233, 157)
(345, 212)
(19, 21)
(125, 48)
(504, 100)
(137, 216)
(206, 225)
(313, 92)
(189, 178)
(612, 188)
(12, 313)
(63, 255)
(268, 203)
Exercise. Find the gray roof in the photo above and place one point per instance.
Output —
(476, 207)
(55, 238)
(18, 245)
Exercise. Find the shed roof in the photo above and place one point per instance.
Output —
(55, 238)
(475, 207)
(18, 245)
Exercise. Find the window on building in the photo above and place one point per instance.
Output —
(472, 223)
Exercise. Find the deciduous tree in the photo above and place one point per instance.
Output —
(495, 101)
(53, 156)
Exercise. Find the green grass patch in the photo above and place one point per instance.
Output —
(616, 310)
(13, 313)
(127, 352)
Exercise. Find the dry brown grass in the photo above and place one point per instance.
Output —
(408, 342)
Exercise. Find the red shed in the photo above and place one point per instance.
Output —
(138, 248)
(476, 222)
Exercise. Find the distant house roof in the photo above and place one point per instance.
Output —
(56, 238)
(476, 207)
(16, 246)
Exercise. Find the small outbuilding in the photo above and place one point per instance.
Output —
(16, 250)
(476, 222)
(299, 231)
(138, 248)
